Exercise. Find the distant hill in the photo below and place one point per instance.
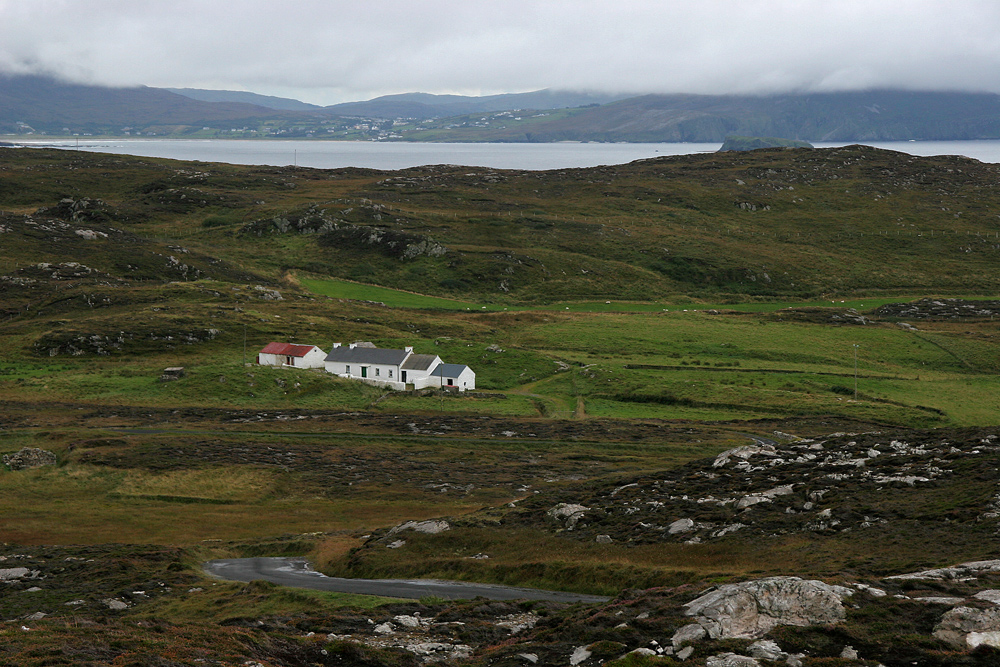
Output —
(48, 105)
(267, 101)
(735, 143)
(881, 115)
(425, 105)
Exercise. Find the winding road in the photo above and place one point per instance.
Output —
(298, 573)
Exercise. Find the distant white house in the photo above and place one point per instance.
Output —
(396, 369)
(289, 354)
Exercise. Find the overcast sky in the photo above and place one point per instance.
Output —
(328, 51)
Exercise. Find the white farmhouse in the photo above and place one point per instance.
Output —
(396, 369)
(453, 376)
(289, 354)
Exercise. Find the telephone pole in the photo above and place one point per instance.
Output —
(856, 346)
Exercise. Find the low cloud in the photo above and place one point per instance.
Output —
(325, 52)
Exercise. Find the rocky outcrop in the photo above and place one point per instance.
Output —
(730, 660)
(29, 457)
(968, 627)
(772, 488)
(940, 309)
(76, 344)
(569, 513)
(426, 527)
(961, 571)
(750, 609)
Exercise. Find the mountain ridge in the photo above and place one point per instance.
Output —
(40, 105)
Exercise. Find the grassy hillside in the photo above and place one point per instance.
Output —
(770, 224)
(626, 325)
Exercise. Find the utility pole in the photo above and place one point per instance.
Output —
(856, 346)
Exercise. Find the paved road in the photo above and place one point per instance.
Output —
(297, 572)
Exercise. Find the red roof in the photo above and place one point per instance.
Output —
(287, 349)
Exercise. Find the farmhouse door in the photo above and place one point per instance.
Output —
(403, 373)
(364, 371)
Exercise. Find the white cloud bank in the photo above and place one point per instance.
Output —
(327, 51)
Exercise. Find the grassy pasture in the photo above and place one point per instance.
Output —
(342, 289)
(178, 488)
(672, 365)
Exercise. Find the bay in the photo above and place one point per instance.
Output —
(401, 155)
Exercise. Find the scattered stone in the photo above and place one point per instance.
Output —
(384, 628)
(688, 633)
(396, 544)
(579, 655)
(12, 573)
(29, 457)
(680, 526)
(603, 539)
(961, 571)
(730, 660)
(849, 653)
(990, 595)
(744, 452)
(407, 621)
(518, 622)
(940, 600)
(427, 527)
(37, 616)
(685, 653)
(115, 605)
(871, 590)
(765, 649)
(530, 657)
(568, 512)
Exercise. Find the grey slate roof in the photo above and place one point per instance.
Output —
(419, 362)
(448, 370)
(366, 355)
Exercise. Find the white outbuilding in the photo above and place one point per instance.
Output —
(290, 354)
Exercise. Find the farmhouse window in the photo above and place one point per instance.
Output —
(377, 371)
(347, 368)
(390, 373)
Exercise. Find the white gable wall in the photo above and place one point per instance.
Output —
(312, 359)
(271, 359)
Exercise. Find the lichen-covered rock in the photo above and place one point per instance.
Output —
(730, 660)
(29, 457)
(689, 633)
(968, 627)
(431, 527)
(744, 453)
(12, 573)
(750, 609)
(959, 571)
(571, 513)
(765, 649)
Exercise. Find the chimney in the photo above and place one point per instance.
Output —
(409, 349)
(336, 345)
(352, 346)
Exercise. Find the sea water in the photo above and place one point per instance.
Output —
(400, 155)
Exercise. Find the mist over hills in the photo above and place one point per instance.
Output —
(44, 106)
(243, 97)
